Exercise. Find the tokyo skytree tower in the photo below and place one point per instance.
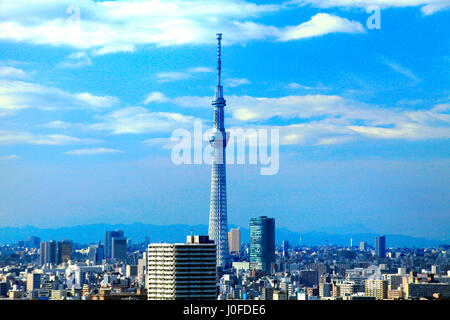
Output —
(218, 227)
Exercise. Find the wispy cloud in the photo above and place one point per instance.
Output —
(235, 82)
(76, 60)
(295, 85)
(177, 76)
(22, 137)
(12, 73)
(320, 24)
(427, 6)
(401, 70)
(91, 151)
(432, 8)
(172, 76)
(9, 157)
(57, 124)
(155, 97)
(165, 143)
(17, 95)
(200, 70)
(138, 120)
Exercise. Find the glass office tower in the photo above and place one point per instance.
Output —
(380, 247)
(262, 243)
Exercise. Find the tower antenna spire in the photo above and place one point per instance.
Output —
(219, 62)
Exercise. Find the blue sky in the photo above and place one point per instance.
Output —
(90, 93)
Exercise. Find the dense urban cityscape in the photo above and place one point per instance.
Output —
(117, 269)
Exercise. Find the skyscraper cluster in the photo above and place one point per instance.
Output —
(55, 252)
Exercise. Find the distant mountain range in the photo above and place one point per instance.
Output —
(137, 232)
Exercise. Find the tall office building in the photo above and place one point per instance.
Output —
(380, 246)
(182, 270)
(262, 243)
(119, 248)
(109, 235)
(285, 247)
(33, 281)
(48, 252)
(96, 253)
(234, 241)
(64, 251)
(218, 226)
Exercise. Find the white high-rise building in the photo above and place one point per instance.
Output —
(178, 271)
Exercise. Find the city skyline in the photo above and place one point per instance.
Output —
(362, 113)
(188, 270)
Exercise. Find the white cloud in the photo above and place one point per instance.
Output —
(401, 70)
(427, 6)
(58, 124)
(20, 137)
(200, 70)
(140, 120)
(113, 49)
(120, 25)
(155, 97)
(172, 76)
(76, 60)
(309, 119)
(108, 27)
(17, 95)
(59, 139)
(235, 82)
(331, 119)
(97, 101)
(12, 73)
(9, 157)
(165, 143)
(430, 9)
(406, 130)
(320, 24)
(295, 85)
(177, 76)
(91, 151)
(247, 108)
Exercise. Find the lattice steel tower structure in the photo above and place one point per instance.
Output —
(218, 226)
